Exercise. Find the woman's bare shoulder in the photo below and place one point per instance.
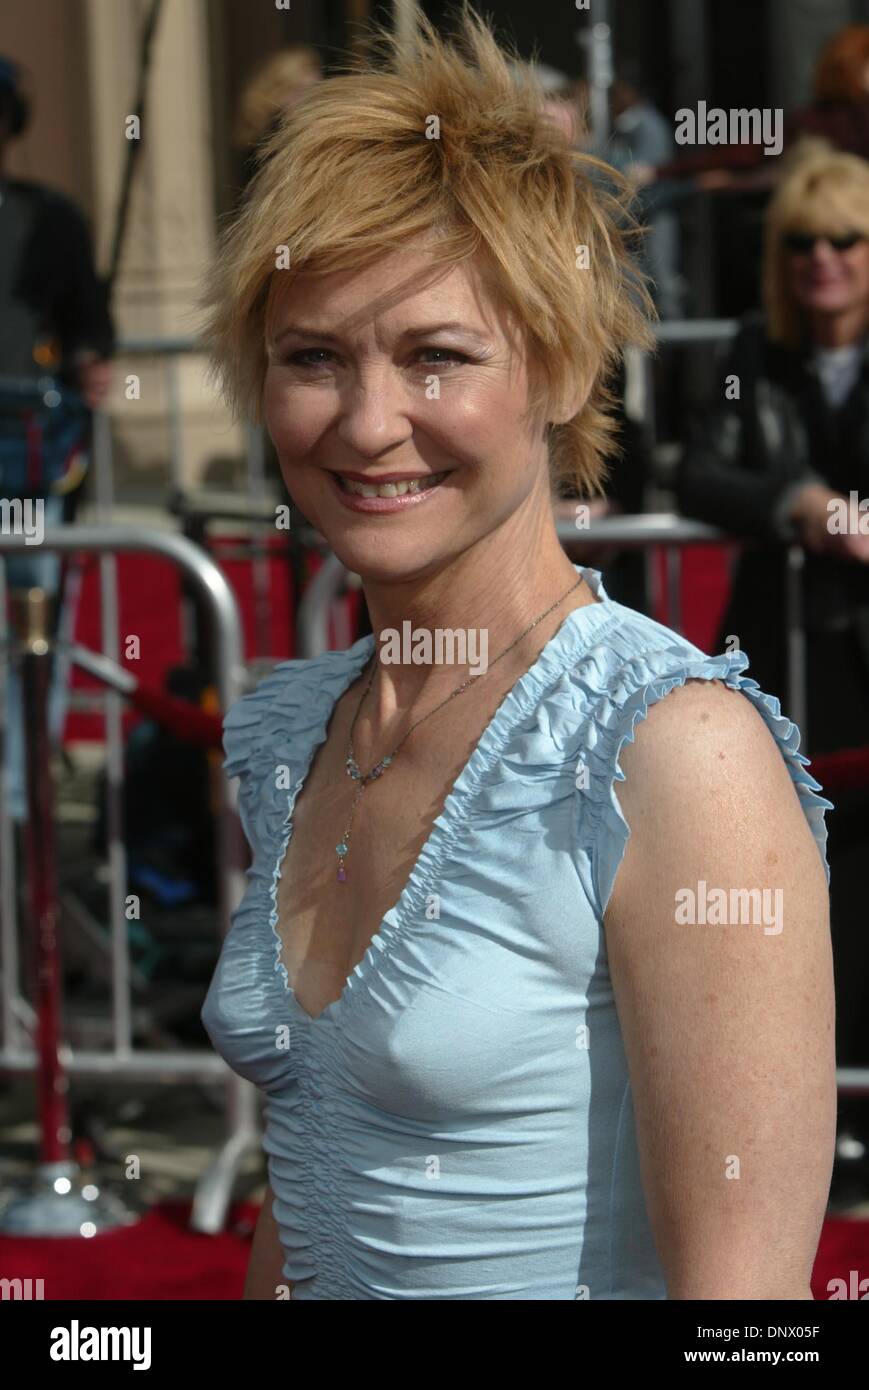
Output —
(704, 728)
(707, 786)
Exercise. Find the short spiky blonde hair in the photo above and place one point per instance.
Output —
(350, 175)
(824, 191)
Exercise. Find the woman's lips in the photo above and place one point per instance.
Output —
(382, 505)
(824, 282)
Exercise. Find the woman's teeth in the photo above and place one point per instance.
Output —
(391, 489)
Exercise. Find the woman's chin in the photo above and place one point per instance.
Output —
(382, 560)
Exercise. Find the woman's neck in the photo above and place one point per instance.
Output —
(489, 604)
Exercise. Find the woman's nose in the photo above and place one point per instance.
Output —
(822, 252)
(374, 411)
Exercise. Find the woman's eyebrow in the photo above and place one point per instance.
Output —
(296, 331)
(452, 326)
(421, 331)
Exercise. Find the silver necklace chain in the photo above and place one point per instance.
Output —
(364, 779)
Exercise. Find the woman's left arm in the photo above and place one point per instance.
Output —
(728, 1028)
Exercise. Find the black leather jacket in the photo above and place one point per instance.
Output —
(741, 461)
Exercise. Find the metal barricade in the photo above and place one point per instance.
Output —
(214, 1188)
(171, 351)
(696, 330)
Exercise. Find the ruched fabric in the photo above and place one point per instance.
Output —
(459, 1123)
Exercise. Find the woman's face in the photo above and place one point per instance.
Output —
(386, 375)
(824, 280)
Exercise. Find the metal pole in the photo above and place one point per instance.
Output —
(650, 435)
(598, 43)
(53, 1200)
(674, 587)
(687, 331)
(795, 559)
(314, 610)
(176, 434)
(8, 875)
(114, 714)
(33, 623)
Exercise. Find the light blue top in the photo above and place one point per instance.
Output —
(459, 1123)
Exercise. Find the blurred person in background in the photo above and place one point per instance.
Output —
(53, 313)
(839, 113)
(561, 94)
(840, 109)
(54, 322)
(641, 135)
(772, 464)
(275, 87)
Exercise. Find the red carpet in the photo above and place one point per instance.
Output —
(843, 1252)
(161, 1258)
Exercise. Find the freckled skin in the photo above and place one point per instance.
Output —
(733, 1076)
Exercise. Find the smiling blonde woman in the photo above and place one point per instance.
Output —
(498, 1062)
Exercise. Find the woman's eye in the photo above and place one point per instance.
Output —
(321, 357)
(447, 356)
(303, 358)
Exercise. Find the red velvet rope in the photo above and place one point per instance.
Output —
(187, 721)
(842, 770)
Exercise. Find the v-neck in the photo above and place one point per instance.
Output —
(572, 634)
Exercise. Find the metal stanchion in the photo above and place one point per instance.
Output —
(32, 622)
(673, 558)
(11, 1022)
(795, 561)
(120, 1061)
(54, 1200)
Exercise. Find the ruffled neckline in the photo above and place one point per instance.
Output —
(590, 684)
(332, 674)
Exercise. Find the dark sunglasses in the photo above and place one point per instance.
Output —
(803, 243)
